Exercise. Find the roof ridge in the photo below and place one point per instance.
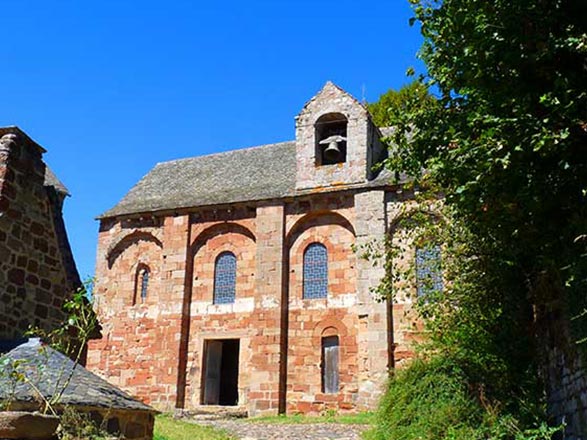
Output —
(223, 153)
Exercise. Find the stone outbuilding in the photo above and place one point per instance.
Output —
(233, 279)
(37, 269)
(53, 373)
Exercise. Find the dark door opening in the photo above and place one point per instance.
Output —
(220, 380)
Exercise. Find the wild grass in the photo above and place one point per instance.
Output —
(363, 418)
(168, 428)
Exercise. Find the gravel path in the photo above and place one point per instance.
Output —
(246, 430)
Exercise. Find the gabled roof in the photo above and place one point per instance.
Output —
(49, 370)
(250, 174)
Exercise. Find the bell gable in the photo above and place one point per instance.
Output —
(336, 141)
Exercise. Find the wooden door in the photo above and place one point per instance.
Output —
(212, 372)
(330, 354)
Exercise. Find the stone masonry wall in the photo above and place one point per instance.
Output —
(567, 393)
(140, 344)
(254, 317)
(33, 278)
(312, 319)
(563, 371)
(375, 331)
(221, 321)
(140, 350)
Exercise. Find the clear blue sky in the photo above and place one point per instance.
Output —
(110, 88)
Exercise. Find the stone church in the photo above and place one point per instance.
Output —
(233, 279)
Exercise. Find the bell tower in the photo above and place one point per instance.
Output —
(336, 142)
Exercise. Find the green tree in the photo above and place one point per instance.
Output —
(508, 146)
(390, 105)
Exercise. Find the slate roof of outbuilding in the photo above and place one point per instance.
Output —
(52, 180)
(251, 174)
(49, 369)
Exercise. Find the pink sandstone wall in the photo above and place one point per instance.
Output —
(155, 349)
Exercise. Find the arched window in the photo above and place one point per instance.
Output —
(225, 278)
(315, 271)
(428, 270)
(141, 284)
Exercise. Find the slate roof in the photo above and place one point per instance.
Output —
(52, 180)
(47, 368)
(250, 174)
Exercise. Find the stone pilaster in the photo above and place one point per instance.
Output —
(263, 395)
(373, 334)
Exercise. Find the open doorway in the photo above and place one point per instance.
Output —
(220, 378)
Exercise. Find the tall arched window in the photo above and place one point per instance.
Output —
(225, 278)
(315, 271)
(428, 270)
(141, 284)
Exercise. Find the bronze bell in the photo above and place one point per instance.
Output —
(332, 152)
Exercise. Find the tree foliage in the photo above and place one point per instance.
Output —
(507, 147)
(508, 142)
(393, 103)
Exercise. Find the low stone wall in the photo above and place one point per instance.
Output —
(133, 425)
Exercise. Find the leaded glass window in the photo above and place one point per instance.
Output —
(225, 278)
(315, 272)
(144, 284)
(428, 270)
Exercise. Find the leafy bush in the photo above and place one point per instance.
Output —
(427, 401)
(433, 399)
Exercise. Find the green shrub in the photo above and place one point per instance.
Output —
(434, 399)
(426, 401)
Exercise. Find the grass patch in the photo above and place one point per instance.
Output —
(363, 418)
(168, 428)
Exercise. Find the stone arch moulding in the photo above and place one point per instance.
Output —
(119, 245)
(330, 327)
(219, 229)
(317, 218)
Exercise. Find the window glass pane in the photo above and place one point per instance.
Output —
(315, 272)
(428, 270)
(225, 279)
(144, 284)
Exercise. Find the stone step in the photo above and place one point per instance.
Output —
(212, 412)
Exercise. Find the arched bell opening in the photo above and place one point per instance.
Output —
(331, 139)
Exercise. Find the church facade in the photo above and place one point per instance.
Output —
(235, 278)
